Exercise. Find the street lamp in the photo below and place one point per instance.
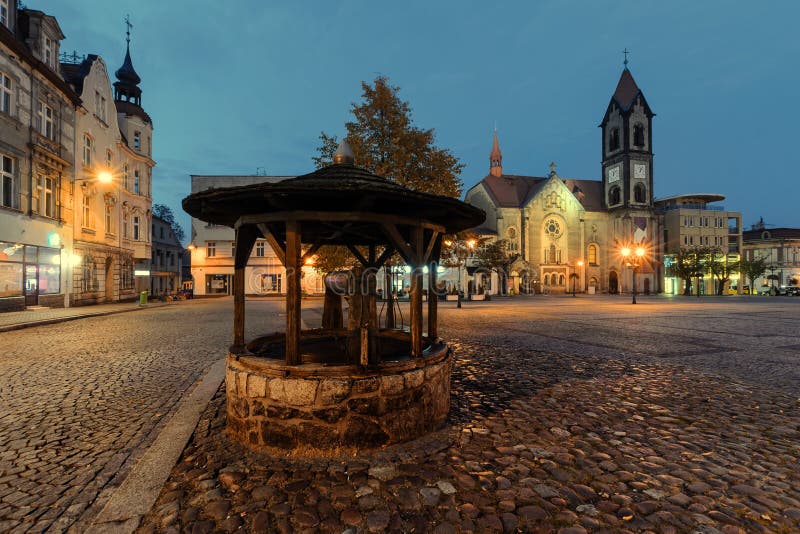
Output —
(634, 259)
(575, 276)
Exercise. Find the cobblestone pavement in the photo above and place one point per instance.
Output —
(568, 415)
(82, 400)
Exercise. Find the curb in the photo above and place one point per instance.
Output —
(55, 320)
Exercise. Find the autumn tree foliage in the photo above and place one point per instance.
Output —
(386, 142)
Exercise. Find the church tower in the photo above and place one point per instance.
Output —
(627, 146)
(496, 158)
(134, 123)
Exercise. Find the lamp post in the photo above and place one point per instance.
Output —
(634, 259)
(576, 276)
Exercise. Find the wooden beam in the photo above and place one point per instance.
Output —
(400, 244)
(310, 252)
(385, 255)
(429, 249)
(245, 239)
(293, 274)
(344, 216)
(355, 252)
(277, 248)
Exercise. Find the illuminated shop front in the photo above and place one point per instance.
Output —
(29, 273)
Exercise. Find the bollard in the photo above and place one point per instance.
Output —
(142, 298)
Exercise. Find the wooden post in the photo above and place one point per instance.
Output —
(389, 294)
(417, 236)
(293, 274)
(245, 238)
(433, 296)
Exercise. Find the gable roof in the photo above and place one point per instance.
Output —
(515, 191)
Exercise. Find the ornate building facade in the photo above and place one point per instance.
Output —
(113, 184)
(37, 145)
(563, 229)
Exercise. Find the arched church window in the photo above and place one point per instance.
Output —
(592, 255)
(638, 135)
(547, 279)
(639, 193)
(614, 196)
(613, 140)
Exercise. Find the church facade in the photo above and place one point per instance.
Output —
(565, 231)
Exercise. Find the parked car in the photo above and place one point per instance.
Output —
(793, 291)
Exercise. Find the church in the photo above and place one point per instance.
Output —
(565, 231)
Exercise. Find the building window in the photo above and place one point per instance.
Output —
(136, 181)
(211, 249)
(260, 249)
(109, 219)
(45, 118)
(137, 140)
(45, 202)
(638, 135)
(552, 228)
(233, 249)
(4, 13)
(136, 228)
(89, 281)
(88, 147)
(109, 159)
(592, 254)
(6, 90)
(125, 183)
(100, 106)
(639, 193)
(49, 52)
(87, 212)
(614, 196)
(613, 141)
(9, 188)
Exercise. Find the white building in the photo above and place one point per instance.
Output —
(212, 249)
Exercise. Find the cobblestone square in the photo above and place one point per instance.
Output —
(568, 415)
(674, 415)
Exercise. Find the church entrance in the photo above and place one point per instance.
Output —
(613, 282)
(646, 286)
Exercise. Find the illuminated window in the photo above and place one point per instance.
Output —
(6, 91)
(592, 254)
(211, 249)
(9, 185)
(87, 212)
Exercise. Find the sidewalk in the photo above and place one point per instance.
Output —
(37, 317)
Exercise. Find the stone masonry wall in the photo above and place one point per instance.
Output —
(327, 412)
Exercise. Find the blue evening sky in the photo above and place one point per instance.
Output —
(237, 85)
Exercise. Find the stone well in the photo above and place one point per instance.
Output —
(271, 404)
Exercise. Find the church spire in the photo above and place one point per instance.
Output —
(496, 158)
(127, 85)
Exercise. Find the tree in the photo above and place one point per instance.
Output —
(386, 142)
(689, 263)
(721, 268)
(165, 213)
(752, 269)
